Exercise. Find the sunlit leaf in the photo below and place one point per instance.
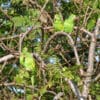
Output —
(69, 24)
(27, 60)
(58, 23)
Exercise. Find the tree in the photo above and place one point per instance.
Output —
(49, 49)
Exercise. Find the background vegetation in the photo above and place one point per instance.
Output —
(46, 55)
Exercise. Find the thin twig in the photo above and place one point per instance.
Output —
(96, 78)
(6, 58)
(11, 56)
(74, 89)
(58, 96)
(84, 30)
(70, 39)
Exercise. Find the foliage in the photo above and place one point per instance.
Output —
(35, 74)
(67, 25)
(27, 60)
(58, 23)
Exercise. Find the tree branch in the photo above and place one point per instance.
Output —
(69, 37)
(90, 66)
(74, 89)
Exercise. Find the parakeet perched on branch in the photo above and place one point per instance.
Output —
(69, 24)
(58, 23)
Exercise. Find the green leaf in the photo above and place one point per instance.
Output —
(67, 73)
(50, 84)
(19, 79)
(18, 20)
(32, 80)
(97, 97)
(43, 90)
(25, 74)
(15, 1)
(91, 24)
(29, 97)
(95, 4)
(22, 21)
(69, 24)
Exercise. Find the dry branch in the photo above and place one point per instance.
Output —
(90, 67)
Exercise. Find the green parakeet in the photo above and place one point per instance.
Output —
(69, 24)
(58, 23)
(27, 60)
